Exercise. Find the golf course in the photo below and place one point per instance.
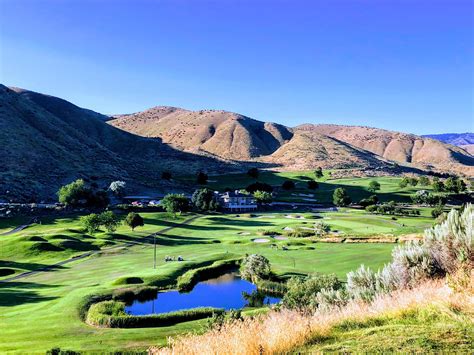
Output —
(49, 301)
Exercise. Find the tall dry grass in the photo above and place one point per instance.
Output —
(283, 331)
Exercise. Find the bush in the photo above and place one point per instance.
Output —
(253, 172)
(372, 200)
(91, 222)
(321, 229)
(288, 185)
(262, 196)
(259, 186)
(329, 298)
(201, 178)
(166, 175)
(272, 287)
(413, 263)
(128, 280)
(374, 186)
(111, 314)
(302, 292)
(318, 173)
(361, 284)
(451, 243)
(300, 233)
(255, 267)
(437, 211)
(312, 185)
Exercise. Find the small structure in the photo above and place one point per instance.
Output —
(235, 201)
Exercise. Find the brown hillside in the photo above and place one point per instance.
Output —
(308, 150)
(401, 147)
(224, 134)
(47, 141)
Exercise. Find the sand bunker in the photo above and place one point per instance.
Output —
(261, 240)
(243, 233)
(294, 217)
(288, 229)
(280, 237)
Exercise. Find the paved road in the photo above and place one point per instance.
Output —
(89, 253)
(17, 229)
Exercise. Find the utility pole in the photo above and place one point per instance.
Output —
(154, 251)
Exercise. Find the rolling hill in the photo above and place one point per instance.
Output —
(463, 140)
(47, 141)
(233, 136)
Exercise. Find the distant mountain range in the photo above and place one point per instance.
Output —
(47, 141)
(233, 136)
(463, 140)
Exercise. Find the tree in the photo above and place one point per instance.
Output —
(117, 187)
(259, 186)
(255, 267)
(204, 200)
(174, 203)
(313, 185)
(201, 178)
(109, 220)
(288, 185)
(461, 185)
(318, 173)
(262, 196)
(372, 200)
(74, 194)
(437, 185)
(91, 222)
(437, 211)
(321, 229)
(374, 186)
(413, 181)
(424, 181)
(451, 185)
(403, 182)
(340, 197)
(253, 172)
(134, 220)
(166, 175)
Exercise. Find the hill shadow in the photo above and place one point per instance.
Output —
(18, 293)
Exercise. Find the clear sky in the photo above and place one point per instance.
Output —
(405, 65)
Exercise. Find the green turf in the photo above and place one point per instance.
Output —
(356, 187)
(429, 329)
(40, 312)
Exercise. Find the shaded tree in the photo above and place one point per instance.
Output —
(340, 197)
(201, 178)
(134, 220)
(204, 200)
(253, 172)
(374, 186)
(174, 203)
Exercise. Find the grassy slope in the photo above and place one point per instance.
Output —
(47, 303)
(356, 187)
(427, 329)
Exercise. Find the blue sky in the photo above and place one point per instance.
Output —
(405, 65)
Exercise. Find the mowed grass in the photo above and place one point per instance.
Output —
(419, 330)
(356, 187)
(41, 311)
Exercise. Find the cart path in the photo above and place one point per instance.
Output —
(89, 253)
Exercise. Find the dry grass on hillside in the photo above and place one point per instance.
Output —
(280, 332)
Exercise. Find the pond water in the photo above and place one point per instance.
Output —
(228, 291)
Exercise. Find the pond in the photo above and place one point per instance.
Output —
(228, 291)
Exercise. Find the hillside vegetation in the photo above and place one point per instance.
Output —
(47, 141)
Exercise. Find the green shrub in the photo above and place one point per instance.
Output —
(302, 292)
(111, 314)
(128, 280)
(272, 287)
(300, 233)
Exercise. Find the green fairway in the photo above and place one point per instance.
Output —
(357, 188)
(41, 311)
